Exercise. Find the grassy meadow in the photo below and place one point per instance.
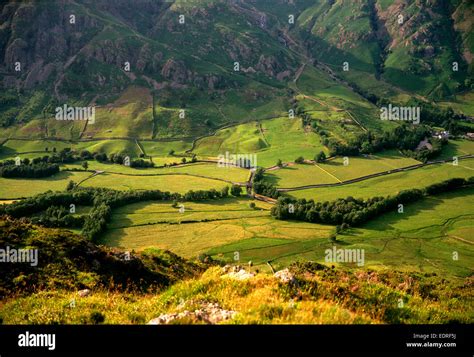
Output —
(231, 231)
(425, 237)
(173, 183)
(205, 225)
(458, 147)
(204, 169)
(333, 171)
(19, 188)
(39, 148)
(269, 140)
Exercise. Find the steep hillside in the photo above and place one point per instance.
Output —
(463, 23)
(69, 261)
(219, 62)
(213, 57)
(409, 44)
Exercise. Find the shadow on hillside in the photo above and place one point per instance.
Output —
(328, 53)
(273, 179)
(6, 152)
(333, 163)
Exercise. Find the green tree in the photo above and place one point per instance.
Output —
(299, 160)
(225, 191)
(365, 148)
(320, 157)
(70, 185)
(236, 190)
(85, 165)
(279, 163)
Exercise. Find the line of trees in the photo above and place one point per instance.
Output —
(403, 137)
(107, 199)
(97, 220)
(29, 171)
(119, 159)
(262, 187)
(102, 200)
(40, 202)
(141, 163)
(425, 154)
(44, 166)
(351, 211)
(58, 216)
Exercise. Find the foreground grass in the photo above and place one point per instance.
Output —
(319, 296)
(258, 301)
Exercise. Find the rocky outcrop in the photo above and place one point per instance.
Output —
(237, 273)
(209, 313)
(272, 67)
(176, 71)
(84, 293)
(285, 276)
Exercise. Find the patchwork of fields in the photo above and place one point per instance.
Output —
(269, 140)
(208, 228)
(230, 230)
(247, 162)
(390, 184)
(172, 183)
(423, 238)
(338, 170)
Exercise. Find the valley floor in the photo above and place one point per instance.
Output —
(422, 239)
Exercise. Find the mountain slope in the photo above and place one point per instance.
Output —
(220, 62)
